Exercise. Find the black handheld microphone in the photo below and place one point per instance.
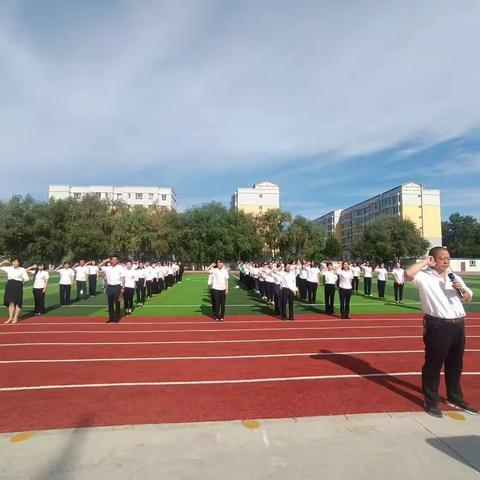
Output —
(451, 276)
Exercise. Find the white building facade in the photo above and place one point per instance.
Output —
(465, 265)
(258, 199)
(162, 197)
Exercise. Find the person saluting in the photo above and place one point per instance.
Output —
(442, 296)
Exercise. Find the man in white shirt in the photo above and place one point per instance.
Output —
(442, 296)
(313, 277)
(66, 279)
(113, 276)
(81, 274)
(288, 282)
(218, 288)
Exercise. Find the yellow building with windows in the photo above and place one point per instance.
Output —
(410, 201)
(258, 199)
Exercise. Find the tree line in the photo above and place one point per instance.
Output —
(92, 228)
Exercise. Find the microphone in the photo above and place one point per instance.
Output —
(451, 276)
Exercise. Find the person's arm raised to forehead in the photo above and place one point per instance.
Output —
(412, 270)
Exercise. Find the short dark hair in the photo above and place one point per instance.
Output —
(436, 250)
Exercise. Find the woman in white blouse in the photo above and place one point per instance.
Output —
(382, 277)
(66, 280)
(345, 280)
(13, 297)
(399, 282)
(40, 284)
(329, 279)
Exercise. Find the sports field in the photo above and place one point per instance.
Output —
(170, 362)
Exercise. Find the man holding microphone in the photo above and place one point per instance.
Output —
(442, 296)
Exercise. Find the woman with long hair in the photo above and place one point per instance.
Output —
(40, 284)
(13, 297)
(345, 287)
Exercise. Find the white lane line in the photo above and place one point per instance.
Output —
(117, 332)
(218, 357)
(197, 342)
(215, 382)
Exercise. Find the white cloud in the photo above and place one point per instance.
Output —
(193, 86)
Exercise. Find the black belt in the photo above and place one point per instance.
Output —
(445, 320)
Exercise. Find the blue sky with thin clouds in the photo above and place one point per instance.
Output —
(335, 101)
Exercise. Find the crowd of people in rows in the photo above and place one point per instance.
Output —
(278, 283)
(120, 281)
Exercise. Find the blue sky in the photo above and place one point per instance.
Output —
(335, 101)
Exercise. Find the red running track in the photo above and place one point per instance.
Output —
(63, 372)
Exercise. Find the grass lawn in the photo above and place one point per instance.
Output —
(191, 298)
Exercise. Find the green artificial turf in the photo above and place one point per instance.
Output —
(192, 298)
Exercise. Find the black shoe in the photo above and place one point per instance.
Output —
(434, 411)
(291, 319)
(284, 318)
(463, 406)
(111, 320)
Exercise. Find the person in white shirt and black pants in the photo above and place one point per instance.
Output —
(40, 284)
(356, 276)
(345, 280)
(367, 278)
(382, 277)
(218, 289)
(313, 276)
(442, 295)
(66, 279)
(399, 281)
(81, 274)
(129, 278)
(330, 279)
(113, 276)
(13, 297)
(92, 278)
(288, 283)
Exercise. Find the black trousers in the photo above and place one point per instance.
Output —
(367, 285)
(381, 288)
(180, 275)
(287, 299)
(398, 291)
(82, 290)
(128, 298)
(218, 304)
(277, 298)
(345, 295)
(329, 297)
(355, 283)
(65, 294)
(312, 291)
(212, 300)
(169, 281)
(148, 284)
(154, 286)
(92, 284)
(302, 282)
(141, 290)
(39, 300)
(113, 298)
(262, 289)
(444, 346)
(270, 287)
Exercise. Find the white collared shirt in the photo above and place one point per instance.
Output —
(303, 273)
(399, 275)
(66, 276)
(367, 271)
(113, 274)
(81, 273)
(41, 279)
(330, 277)
(381, 274)
(219, 278)
(129, 277)
(140, 273)
(355, 271)
(312, 274)
(19, 274)
(345, 279)
(92, 269)
(150, 273)
(289, 280)
(269, 276)
(438, 296)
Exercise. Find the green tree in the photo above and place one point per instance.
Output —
(461, 235)
(272, 226)
(332, 249)
(386, 239)
(302, 238)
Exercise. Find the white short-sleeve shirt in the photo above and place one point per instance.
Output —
(113, 274)
(345, 279)
(312, 274)
(129, 277)
(398, 275)
(19, 274)
(41, 279)
(330, 277)
(381, 274)
(66, 276)
(438, 296)
(367, 272)
(219, 278)
(81, 273)
(92, 270)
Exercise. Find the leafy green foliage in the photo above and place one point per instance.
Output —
(461, 235)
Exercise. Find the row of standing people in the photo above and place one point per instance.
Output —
(145, 279)
(264, 279)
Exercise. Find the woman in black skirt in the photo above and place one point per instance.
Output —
(13, 298)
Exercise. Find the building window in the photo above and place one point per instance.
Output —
(119, 196)
(77, 195)
(98, 194)
(138, 196)
(473, 263)
(164, 197)
(150, 196)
